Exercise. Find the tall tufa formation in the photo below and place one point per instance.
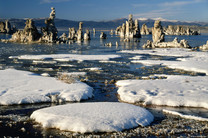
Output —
(50, 33)
(130, 29)
(157, 32)
(87, 35)
(80, 32)
(5, 27)
(179, 30)
(144, 30)
(158, 39)
(29, 34)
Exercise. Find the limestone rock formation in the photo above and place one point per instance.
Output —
(50, 33)
(80, 32)
(5, 27)
(170, 30)
(72, 34)
(87, 35)
(29, 34)
(111, 32)
(94, 31)
(103, 35)
(174, 44)
(63, 37)
(144, 30)
(158, 39)
(157, 32)
(179, 30)
(204, 47)
(130, 29)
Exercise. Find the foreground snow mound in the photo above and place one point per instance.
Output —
(93, 117)
(21, 87)
(66, 57)
(173, 91)
(186, 59)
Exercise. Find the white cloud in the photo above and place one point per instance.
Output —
(169, 10)
(181, 3)
(52, 1)
(163, 13)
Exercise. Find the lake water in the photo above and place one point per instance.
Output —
(14, 118)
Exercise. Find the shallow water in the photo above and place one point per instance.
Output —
(102, 81)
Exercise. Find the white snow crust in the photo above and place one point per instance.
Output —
(185, 116)
(66, 57)
(21, 87)
(93, 117)
(186, 59)
(173, 91)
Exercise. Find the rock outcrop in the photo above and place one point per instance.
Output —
(87, 35)
(130, 29)
(29, 34)
(158, 39)
(5, 27)
(157, 33)
(144, 30)
(80, 32)
(103, 35)
(204, 47)
(179, 30)
(72, 34)
(50, 32)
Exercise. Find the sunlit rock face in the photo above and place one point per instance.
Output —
(50, 32)
(87, 35)
(80, 32)
(157, 32)
(179, 30)
(5, 27)
(144, 30)
(103, 35)
(29, 34)
(130, 29)
(159, 41)
(204, 47)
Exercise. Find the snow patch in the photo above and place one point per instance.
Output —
(21, 87)
(66, 57)
(186, 59)
(93, 117)
(185, 116)
(173, 91)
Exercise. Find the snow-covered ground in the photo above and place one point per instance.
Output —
(173, 91)
(20, 87)
(66, 57)
(185, 116)
(73, 74)
(186, 59)
(93, 117)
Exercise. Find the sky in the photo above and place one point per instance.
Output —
(105, 10)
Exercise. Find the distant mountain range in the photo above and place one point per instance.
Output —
(64, 24)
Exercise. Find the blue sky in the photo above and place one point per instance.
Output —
(103, 10)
